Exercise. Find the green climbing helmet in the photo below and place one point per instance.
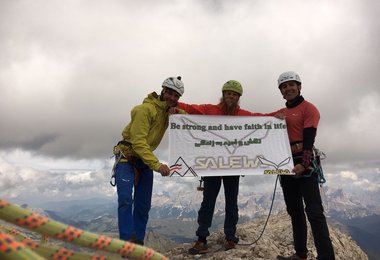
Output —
(234, 86)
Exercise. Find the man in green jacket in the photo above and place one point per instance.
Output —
(136, 161)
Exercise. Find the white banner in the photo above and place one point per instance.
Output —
(202, 145)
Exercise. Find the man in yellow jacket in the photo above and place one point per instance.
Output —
(136, 161)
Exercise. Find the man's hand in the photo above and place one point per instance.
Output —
(298, 169)
(173, 110)
(164, 170)
(280, 116)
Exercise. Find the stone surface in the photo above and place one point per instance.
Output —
(277, 239)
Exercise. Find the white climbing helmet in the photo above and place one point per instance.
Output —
(175, 84)
(288, 76)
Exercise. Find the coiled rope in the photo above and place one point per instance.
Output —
(11, 249)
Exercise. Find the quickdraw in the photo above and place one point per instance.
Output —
(200, 187)
(317, 165)
(113, 176)
(118, 154)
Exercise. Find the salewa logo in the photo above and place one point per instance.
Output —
(231, 162)
(181, 168)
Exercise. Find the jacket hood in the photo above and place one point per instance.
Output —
(154, 99)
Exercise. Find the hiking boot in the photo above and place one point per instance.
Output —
(198, 248)
(229, 244)
(136, 241)
(293, 257)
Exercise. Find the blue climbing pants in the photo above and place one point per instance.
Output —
(134, 200)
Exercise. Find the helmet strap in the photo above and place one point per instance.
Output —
(162, 93)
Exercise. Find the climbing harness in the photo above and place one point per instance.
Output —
(315, 166)
(118, 153)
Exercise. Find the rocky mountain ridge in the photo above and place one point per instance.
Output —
(276, 240)
(174, 214)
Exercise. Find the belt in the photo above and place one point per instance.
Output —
(296, 148)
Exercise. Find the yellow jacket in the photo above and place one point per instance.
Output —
(144, 133)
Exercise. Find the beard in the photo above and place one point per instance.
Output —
(228, 108)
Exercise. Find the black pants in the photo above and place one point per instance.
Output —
(298, 191)
(210, 193)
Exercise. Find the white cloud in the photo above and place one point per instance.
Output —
(80, 177)
(33, 179)
(349, 175)
(364, 120)
(70, 72)
(362, 182)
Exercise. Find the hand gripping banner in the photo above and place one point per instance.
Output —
(202, 145)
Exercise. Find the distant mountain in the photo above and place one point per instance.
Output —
(81, 210)
(174, 214)
(342, 206)
(366, 232)
(276, 240)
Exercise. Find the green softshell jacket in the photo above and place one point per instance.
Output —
(149, 122)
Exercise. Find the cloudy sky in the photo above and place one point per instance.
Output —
(70, 72)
